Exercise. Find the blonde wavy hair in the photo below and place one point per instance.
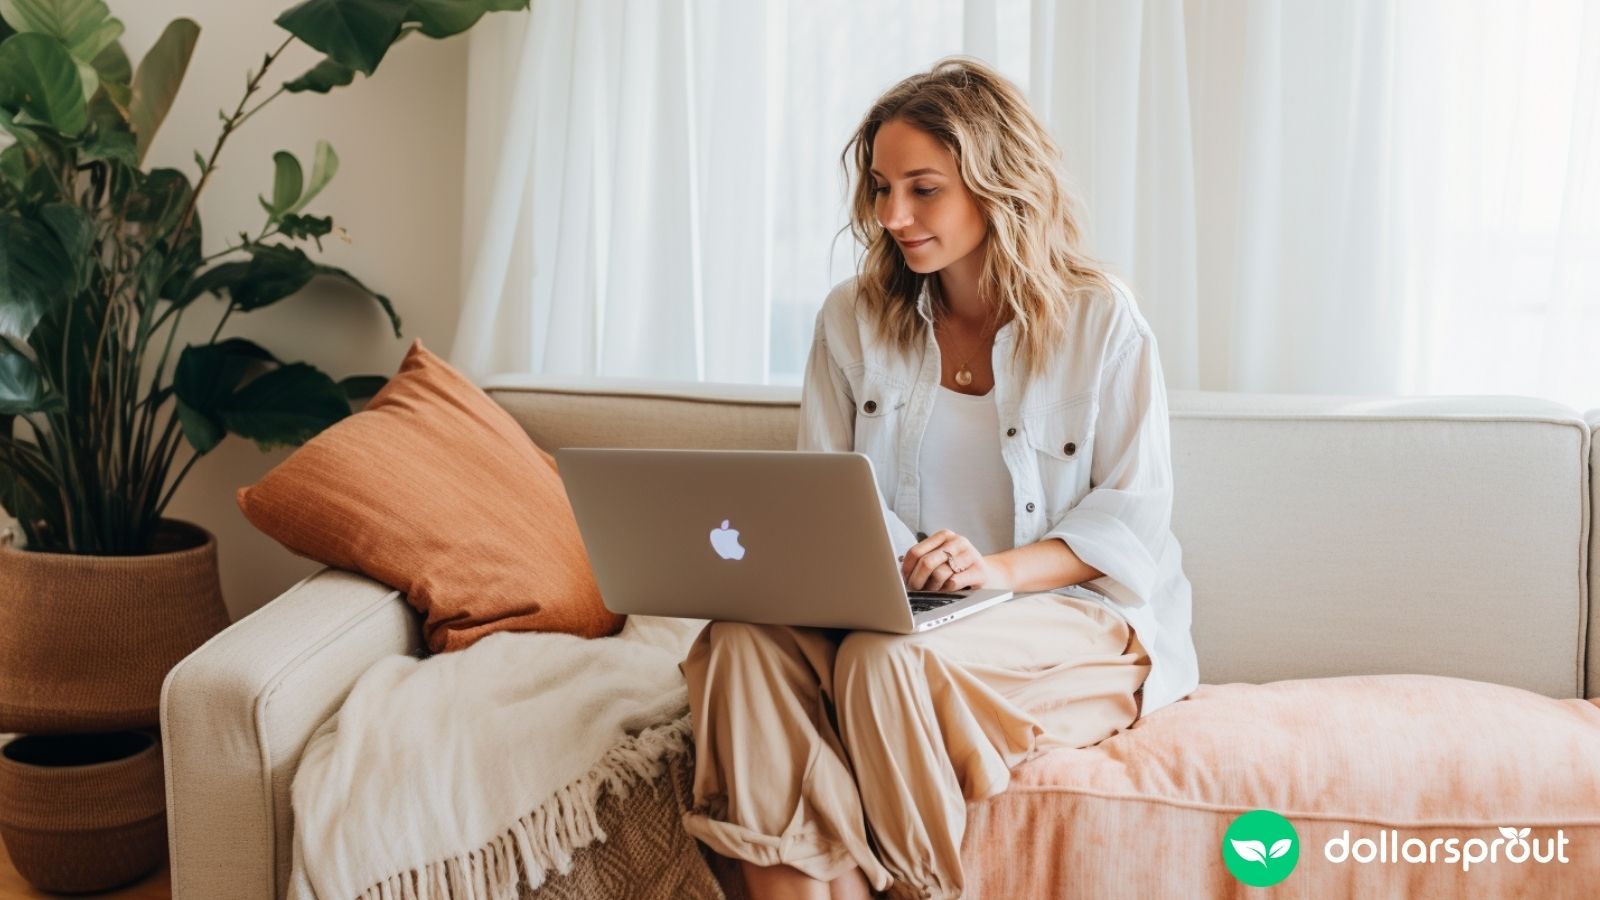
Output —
(1034, 265)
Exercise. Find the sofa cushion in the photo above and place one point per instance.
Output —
(1143, 813)
(435, 490)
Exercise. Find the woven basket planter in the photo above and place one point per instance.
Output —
(83, 812)
(85, 641)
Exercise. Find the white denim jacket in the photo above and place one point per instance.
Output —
(1087, 445)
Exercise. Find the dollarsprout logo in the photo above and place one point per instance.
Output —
(1517, 846)
(1260, 848)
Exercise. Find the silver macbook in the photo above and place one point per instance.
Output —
(765, 536)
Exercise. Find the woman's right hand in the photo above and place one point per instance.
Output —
(945, 561)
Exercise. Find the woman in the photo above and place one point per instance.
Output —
(1010, 397)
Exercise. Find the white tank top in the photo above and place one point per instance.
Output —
(964, 481)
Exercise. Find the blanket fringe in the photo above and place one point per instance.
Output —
(545, 838)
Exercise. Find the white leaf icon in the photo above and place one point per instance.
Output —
(1280, 848)
(1255, 851)
(1524, 832)
(1510, 833)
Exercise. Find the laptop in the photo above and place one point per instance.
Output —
(763, 536)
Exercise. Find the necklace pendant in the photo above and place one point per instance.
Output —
(963, 376)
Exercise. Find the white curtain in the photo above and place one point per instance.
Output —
(1372, 196)
(1398, 197)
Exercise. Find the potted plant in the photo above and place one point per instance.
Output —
(100, 259)
(102, 415)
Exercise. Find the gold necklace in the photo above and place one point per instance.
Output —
(964, 374)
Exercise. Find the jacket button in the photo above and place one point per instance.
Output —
(1011, 432)
(1070, 448)
(1030, 507)
(870, 406)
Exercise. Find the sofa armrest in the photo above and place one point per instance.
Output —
(237, 713)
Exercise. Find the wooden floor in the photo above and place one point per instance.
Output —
(156, 887)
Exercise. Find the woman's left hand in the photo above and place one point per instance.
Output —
(946, 561)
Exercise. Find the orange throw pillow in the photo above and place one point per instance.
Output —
(436, 491)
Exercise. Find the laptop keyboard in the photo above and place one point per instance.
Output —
(923, 601)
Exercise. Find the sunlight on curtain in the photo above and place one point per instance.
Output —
(1501, 174)
(828, 79)
(1364, 197)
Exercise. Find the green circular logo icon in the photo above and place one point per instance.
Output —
(1260, 848)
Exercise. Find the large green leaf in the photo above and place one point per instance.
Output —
(159, 199)
(109, 137)
(322, 78)
(22, 170)
(75, 230)
(346, 277)
(88, 79)
(219, 279)
(287, 406)
(287, 181)
(39, 77)
(84, 27)
(442, 18)
(205, 379)
(14, 166)
(273, 273)
(181, 265)
(355, 33)
(35, 274)
(22, 390)
(25, 136)
(362, 387)
(158, 78)
(116, 76)
(322, 171)
(202, 432)
(113, 65)
(301, 227)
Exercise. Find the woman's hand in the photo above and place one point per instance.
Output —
(946, 561)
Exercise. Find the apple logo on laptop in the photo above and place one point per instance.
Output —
(725, 541)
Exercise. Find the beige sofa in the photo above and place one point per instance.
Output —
(1323, 537)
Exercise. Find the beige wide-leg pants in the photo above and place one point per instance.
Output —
(808, 740)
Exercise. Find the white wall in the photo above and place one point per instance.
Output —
(400, 143)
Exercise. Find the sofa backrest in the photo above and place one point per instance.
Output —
(1322, 535)
(1593, 559)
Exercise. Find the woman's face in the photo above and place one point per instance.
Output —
(918, 196)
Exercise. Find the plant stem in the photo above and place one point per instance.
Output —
(161, 367)
(23, 455)
(172, 489)
(266, 231)
(227, 129)
(160, 461)
(224, 252)
(257, 107)
(221, 322)
(57, 448)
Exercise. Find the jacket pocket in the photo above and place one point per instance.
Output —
(880, 405)
(879, 396)
(1062, 436)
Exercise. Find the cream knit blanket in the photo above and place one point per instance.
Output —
(459, 776)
